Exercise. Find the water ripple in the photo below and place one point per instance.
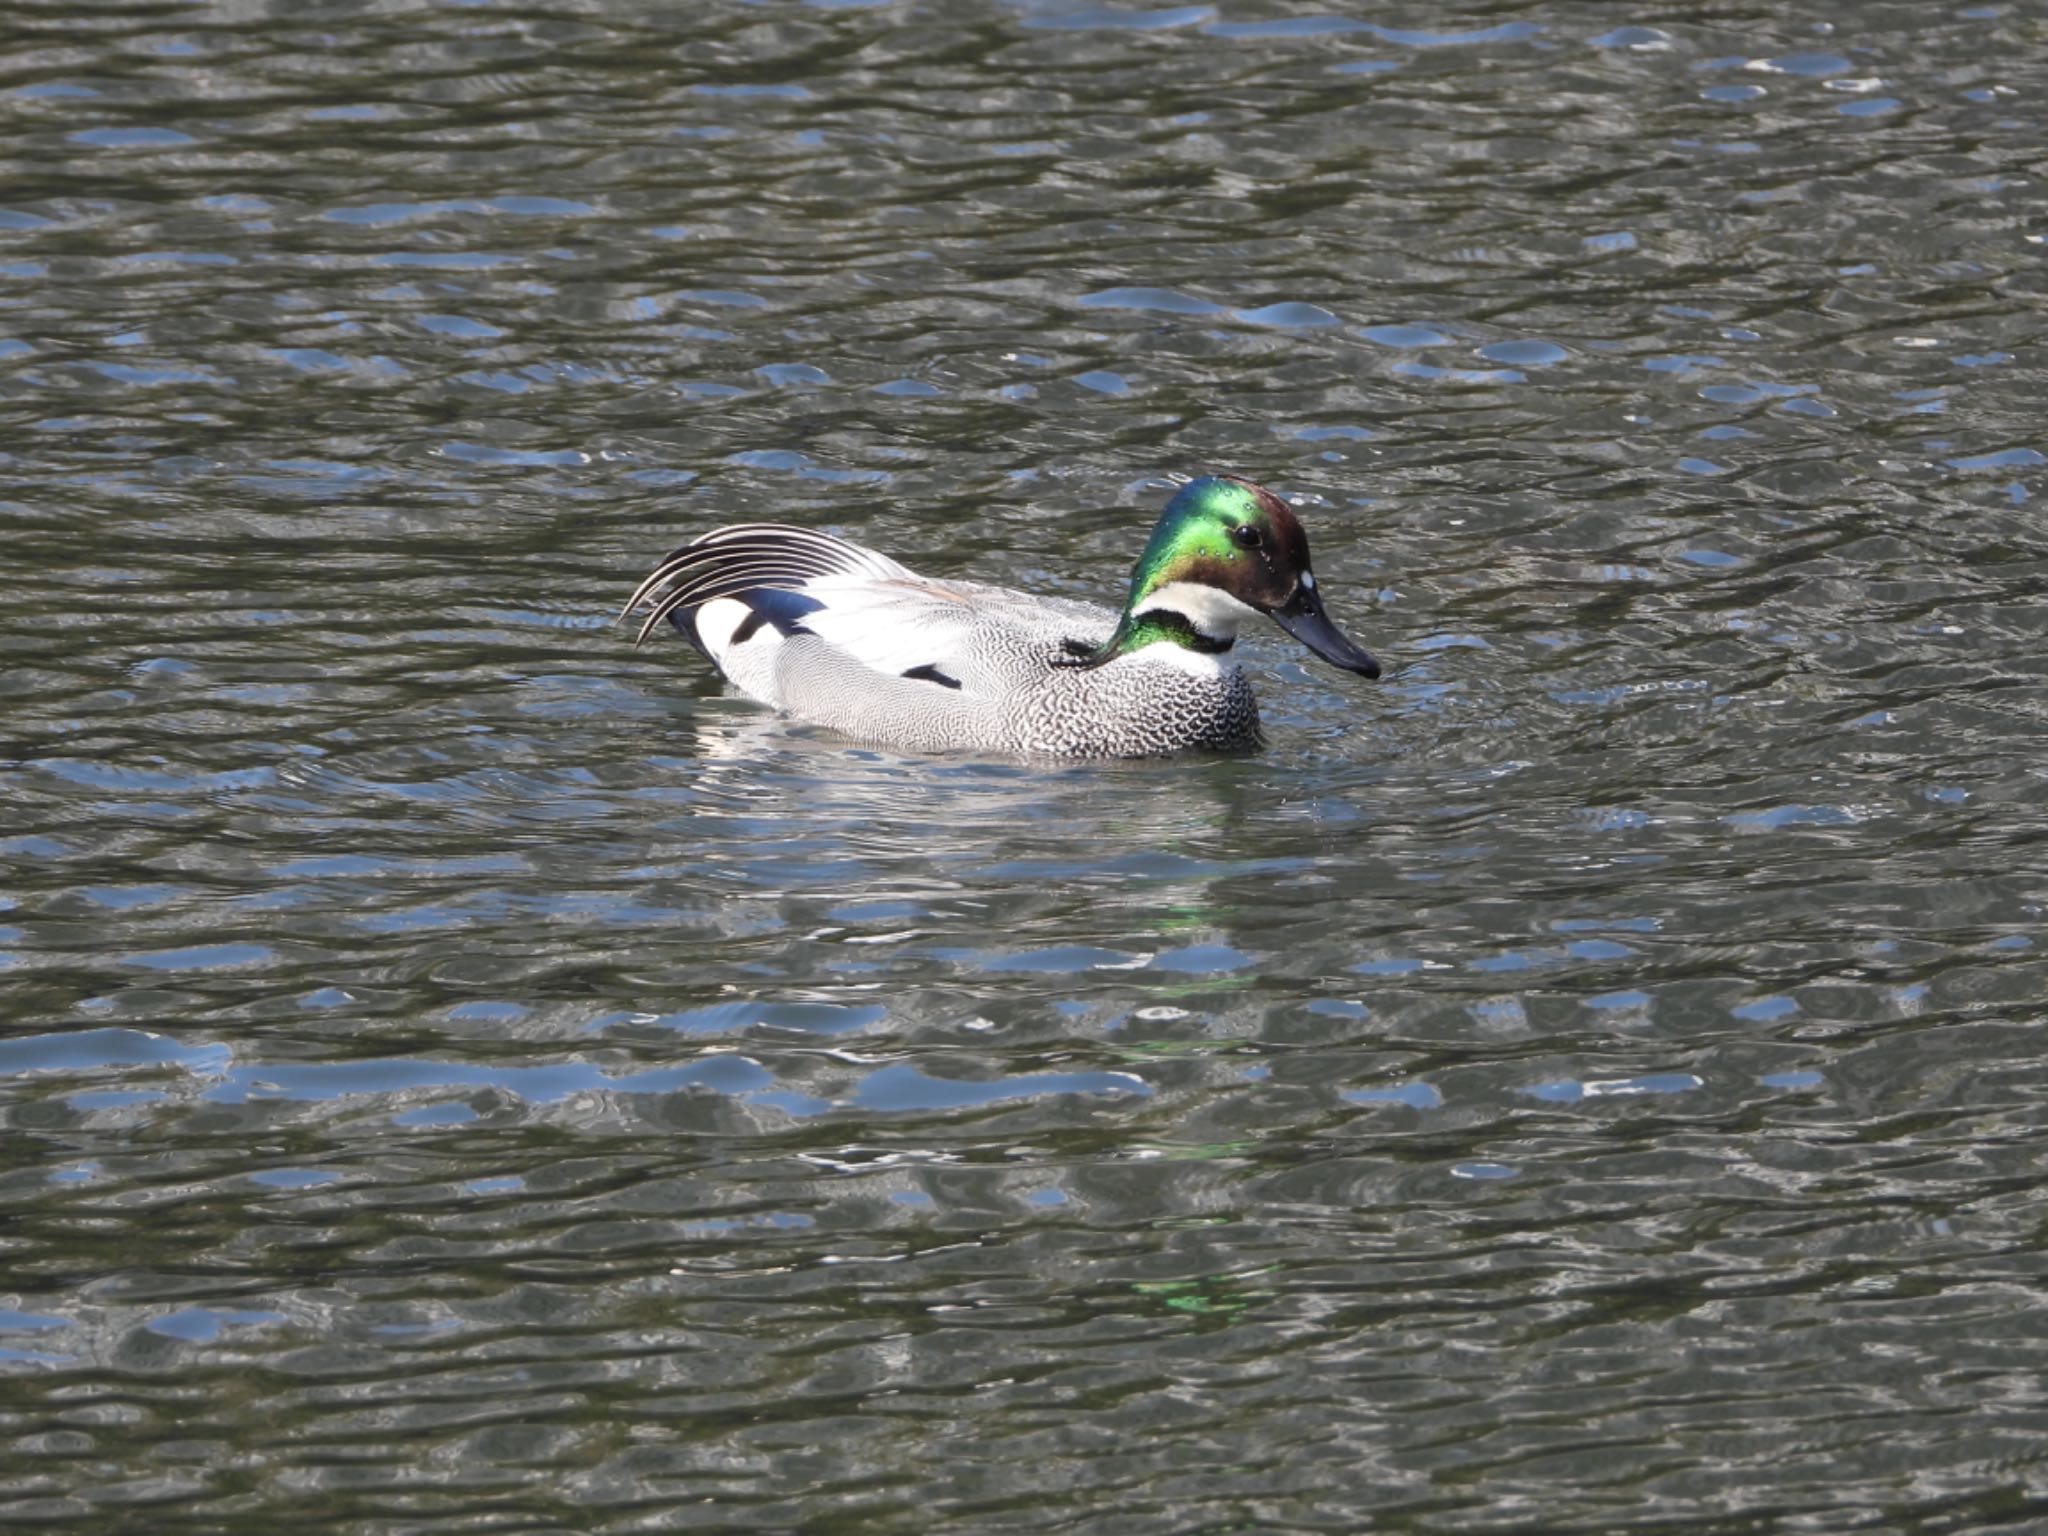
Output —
(462, 1071)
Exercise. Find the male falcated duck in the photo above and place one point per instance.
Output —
(843, 637)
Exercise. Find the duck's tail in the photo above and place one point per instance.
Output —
(750, 562)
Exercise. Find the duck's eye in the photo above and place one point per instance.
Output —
(1245, 536)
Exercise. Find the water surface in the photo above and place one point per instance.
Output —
(462, 1073)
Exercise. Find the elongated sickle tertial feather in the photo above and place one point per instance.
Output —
(748, 557)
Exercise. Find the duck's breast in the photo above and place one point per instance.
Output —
(1160, 700)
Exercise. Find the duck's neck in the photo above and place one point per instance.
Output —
(1192, 615)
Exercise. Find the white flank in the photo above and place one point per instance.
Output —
(719, 620)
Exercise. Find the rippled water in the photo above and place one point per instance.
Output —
(460, 1073)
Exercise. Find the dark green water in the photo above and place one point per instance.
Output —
(459, 1073)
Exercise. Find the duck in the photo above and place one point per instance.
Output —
(837, 635)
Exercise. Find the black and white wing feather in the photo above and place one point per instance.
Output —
(752, 557)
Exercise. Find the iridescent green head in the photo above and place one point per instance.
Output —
(1225, 548)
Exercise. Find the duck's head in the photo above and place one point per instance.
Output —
(1225, 549)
